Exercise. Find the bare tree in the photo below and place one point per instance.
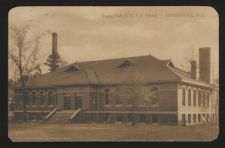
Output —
(24, 54)
(133, 93)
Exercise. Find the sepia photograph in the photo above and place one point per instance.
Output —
(113, 73)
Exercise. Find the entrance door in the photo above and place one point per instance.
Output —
(67, 102)
(78, 102)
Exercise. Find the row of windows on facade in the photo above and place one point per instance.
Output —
(197, 118)
(34, 98)
(118, 99)
(203, 98)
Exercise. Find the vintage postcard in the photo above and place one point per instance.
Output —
(113, 73)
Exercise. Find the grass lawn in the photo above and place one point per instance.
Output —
(109, 132)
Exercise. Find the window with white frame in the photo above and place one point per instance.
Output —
(183, 96)
(199, 99)
(194, 98)
(189, 97)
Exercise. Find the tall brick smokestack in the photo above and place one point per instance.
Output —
(54, 43)
(193, 70)
(204, 64)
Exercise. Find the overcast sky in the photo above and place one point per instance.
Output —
(94, 33)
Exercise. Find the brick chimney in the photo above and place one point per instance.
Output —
(54, 43)
(204, 64)
(193, 70)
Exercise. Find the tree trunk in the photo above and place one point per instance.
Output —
(25, 103)
(24, 96)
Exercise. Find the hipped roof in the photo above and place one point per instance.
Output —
(143, 69)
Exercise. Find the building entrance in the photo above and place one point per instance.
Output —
(67, 103)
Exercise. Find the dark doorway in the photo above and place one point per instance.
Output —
(67, 102)
(78, 102)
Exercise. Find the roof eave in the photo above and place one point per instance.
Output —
(197, 83)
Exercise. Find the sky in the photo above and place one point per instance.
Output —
(95, 33)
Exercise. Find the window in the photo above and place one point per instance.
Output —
(183, 97)
(50, 98)
(194, 98)
(107, 96)
(194, 118)
(203, 100)
(207, 99)
(154, 98)
(199, 99)
(128, 100)
(207, 118)
(33, 98)
(199, 118)
(189, 97)
(189, 118)
(93, 98)
(118, 96)
(41, 98)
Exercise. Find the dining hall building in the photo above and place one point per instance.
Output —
(142, 89)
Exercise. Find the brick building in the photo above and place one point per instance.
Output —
(133, 89)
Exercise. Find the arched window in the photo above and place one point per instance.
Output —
(194, 98)
(189, 97)
(107, 96)
(208, 99)
(199, 98)
(33, 98)
(154, 98)
(203, 99)
(41, 98)
(183, 97)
